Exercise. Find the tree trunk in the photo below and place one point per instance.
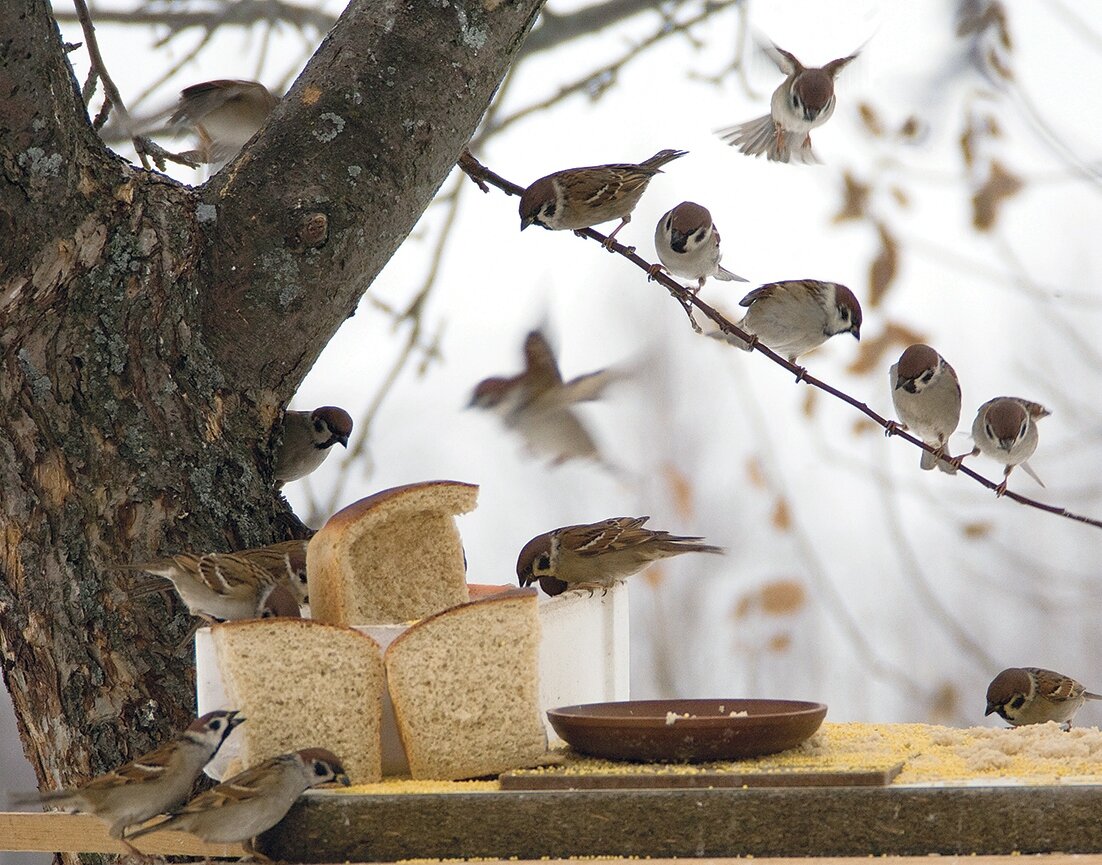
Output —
(151, 333)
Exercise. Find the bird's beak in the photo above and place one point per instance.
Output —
(991, 707)
(856, 335)
(344, 779)
(525, 222)
(343, 440)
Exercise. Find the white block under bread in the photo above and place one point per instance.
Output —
(303, 684)
(465, 688)
(391, 557)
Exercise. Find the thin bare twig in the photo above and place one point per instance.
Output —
(110, 91)
(482, 175)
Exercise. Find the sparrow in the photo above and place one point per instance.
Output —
(687, 243)
(598, 555)
(286, 560)
(578, 198)
(1030, 695)
(926, 395)
(280, 603)
(225, 114)
(224, 586)
(797, 315)
(1005, 429)
(150, 785)
(307, 437)
(539, 405)
(253, 801)
(804, 100)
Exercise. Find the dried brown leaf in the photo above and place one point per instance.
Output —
(870, 119)
(754, 472)
(976, 530)
(863, 426)
(782, 517)
(782, 597)
(855, 199)
(744, 606)
(900, 196)
(779, 643)
(944, 704)
(870, 355)
(912, 128)
(884, 267)
(988, 200)
(681, 491)
(811, 399)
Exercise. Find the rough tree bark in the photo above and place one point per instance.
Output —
(151, 333)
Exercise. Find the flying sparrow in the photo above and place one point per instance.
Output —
(1005, 429)
(149, 785)
(926, 395)
(797, 315)
(244, 806)
(307, 437)
(687, 243)
(223, 586)
(578, 198)
(539, 405)
(804, 100)
(1030, 695)
(225, 114)
(598, 555)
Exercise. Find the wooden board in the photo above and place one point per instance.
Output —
(56, 832)
(572, 779)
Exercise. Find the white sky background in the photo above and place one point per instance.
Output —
(878, 545)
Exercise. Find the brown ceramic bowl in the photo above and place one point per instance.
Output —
(657, 731)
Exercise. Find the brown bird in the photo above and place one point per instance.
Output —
(250, 803)
(539, 405)
(150, 785)
(225, 114)
(598, 555)
(1030, 695)
(577, 198)
(804, 100)
(307, 438)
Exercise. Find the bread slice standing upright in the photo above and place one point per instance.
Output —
(391, 557)
(465, 688)
(304, 684)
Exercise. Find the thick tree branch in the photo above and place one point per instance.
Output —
(298, 227)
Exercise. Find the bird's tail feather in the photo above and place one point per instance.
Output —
(724, 274)
(662, 157)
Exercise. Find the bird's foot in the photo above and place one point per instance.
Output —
(892, 427)
(654, 270)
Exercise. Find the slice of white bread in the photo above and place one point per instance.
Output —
(304, 684)
(392, 557)
(465, 688)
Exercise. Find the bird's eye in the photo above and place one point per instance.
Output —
(320, 769)
(543, 562)
(1017, 702)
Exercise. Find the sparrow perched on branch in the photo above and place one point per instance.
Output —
(149, 785)
(687, 243)
(539, 405)
(249, 803)
(797, 315)
(926, 395)
(307, 438)
(229, 586)
(225, 114)
(598, 555)
(804, 100)
(1030, 695)
(578, 198)
(1005, 429)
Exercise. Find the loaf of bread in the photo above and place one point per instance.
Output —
(304, 684)
(465, 688)
(392, 557)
